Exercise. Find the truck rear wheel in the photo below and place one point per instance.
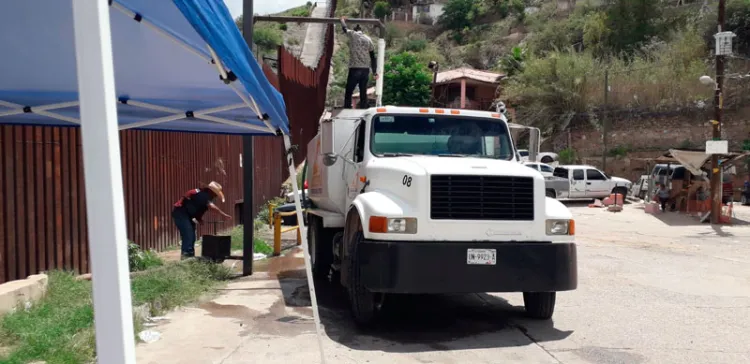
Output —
(320, 244)
(539, 305)
(363, 302)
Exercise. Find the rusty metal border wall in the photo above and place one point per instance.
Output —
(42, 195)
(43, 204)
(305, 90)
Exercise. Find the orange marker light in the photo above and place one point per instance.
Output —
(495, 115)
(439, 111)
(381, 109)
(363, 179)
(455, 112)
(572, 227)
(378, 224)
(424, 110)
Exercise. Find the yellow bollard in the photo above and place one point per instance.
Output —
(299, 236)
(276, 235)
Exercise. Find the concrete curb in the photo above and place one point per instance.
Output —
(22, 292)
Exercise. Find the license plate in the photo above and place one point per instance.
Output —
(481, 257)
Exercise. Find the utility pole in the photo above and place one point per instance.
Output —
(247, 162)
(716, 189)
(605, 126)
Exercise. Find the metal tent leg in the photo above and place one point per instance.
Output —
(306, 251)
(115, 342)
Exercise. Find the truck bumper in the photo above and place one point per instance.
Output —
(441, 267)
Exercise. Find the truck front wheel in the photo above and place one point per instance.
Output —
(539, 305)
(364, 303)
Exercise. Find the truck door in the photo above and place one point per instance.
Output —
(597, 185)
(577, 183)
(352, 173)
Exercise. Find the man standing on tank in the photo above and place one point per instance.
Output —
(361, 59)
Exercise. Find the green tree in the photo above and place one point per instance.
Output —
(512, 63)
(407, 82)
(631, 23)
(738, 21)
(459, 14)
(381, 10)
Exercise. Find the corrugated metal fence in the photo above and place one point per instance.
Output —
(42, 197)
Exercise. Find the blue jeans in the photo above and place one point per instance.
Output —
(186, 226)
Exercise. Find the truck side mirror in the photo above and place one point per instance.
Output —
(328, 149)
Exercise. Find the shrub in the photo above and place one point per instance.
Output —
(267, 38)
(381, 10)
(139, 259)
(283, 27)
(415, 44)
(567, 156)
(301, 11)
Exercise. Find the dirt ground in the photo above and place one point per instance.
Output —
(652, 289)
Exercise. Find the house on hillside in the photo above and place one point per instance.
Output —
(427, 10)
(462, 88)
(466, 88)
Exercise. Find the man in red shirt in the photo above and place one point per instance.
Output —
(189, 210)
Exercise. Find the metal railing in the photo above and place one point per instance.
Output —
(275, 218)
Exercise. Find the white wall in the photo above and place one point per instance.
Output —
(435, 11)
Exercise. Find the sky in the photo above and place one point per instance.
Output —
(263, 7)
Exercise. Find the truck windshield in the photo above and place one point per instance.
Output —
(440, 135)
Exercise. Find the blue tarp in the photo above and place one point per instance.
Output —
(38, 66)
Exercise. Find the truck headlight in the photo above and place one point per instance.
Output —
(394, 225)
(561, 227)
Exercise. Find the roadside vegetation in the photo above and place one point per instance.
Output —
(59, 328)
(555, 53)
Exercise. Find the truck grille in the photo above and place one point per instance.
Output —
(482, 198)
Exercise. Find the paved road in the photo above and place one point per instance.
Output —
(652, 289)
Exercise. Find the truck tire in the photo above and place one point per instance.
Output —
(363, 304)
(320, 245)
(539, 305)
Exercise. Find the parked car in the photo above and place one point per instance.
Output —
(545, 169)
(544, 157)
(588, 182)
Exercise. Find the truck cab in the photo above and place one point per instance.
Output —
(422, 200)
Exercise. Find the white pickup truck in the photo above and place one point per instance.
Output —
(587, 182)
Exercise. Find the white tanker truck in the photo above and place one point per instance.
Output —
(421, 200)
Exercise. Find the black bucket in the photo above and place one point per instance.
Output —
(216, 248)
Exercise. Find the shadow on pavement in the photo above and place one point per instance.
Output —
(417, 323)
(673, 218)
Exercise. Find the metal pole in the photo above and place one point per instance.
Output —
(113, 311)
(605, 126)
(247, 162)
(716, 189)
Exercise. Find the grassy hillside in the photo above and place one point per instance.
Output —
(556, 52)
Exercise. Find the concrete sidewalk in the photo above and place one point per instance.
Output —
(266, 318)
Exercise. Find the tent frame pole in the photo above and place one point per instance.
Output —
(248, 165)
(305, 249)
(113, 309)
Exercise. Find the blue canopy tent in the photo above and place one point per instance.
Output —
(109, 65)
